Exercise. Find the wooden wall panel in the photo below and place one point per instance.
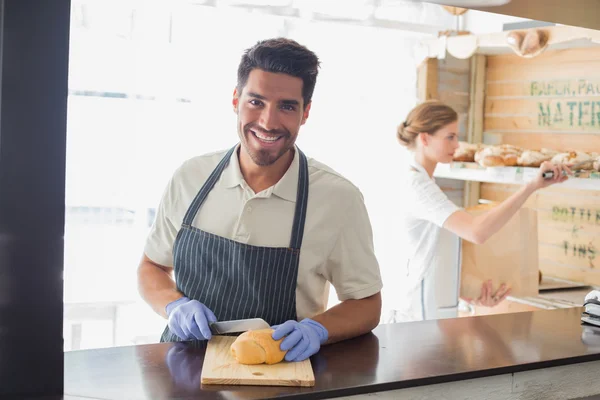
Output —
(453, 86)
(568, 230)
(568, 70)
(427, 79)
(551, 101)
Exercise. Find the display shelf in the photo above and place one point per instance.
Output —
(585, 180)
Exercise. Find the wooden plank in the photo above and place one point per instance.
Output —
(552, 57)
(577, 202)
(549, 111)
(549, 283)
(476, 111)
(554, 87)
(455, 81)
(500, 192)
(550, 267)
(582, 205)
(559, 222)
(427, 79)
(557, 141)
(463, 123)
(220, 368)
(477, 95)
(534, 124)
(459, 101)
(450, 63)
(576, 70)
(562, 247)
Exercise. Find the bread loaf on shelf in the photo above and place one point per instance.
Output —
(572, 157)
(535, 158)
(257, 347)
(466, 152)
(504, 155)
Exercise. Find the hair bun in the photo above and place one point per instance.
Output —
(427, 117)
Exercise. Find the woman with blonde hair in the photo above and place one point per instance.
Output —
(430, 132)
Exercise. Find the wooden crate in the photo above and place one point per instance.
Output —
(568, 230)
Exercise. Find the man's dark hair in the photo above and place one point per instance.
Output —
(281, 55)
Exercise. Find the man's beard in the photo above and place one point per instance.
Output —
(265, 157)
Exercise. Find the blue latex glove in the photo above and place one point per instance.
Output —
(189, 319)
(303, 339)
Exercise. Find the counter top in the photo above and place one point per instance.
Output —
(552, 299)
(394, 356)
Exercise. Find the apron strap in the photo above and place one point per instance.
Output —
(301, 203)
(210, 183)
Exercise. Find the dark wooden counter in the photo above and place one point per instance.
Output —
(392, 357)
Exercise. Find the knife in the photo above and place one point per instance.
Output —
(550, 174)
(238, 325)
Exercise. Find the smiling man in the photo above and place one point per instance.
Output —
(261, 230)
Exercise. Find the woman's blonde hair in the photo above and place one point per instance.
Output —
(429, 117)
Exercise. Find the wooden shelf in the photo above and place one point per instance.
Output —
(585, 180)
(465, 46)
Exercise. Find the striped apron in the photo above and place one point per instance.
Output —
(236, 280)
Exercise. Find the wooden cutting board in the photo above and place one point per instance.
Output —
(221, 368)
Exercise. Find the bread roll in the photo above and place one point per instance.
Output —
(498, 156)
(572, 157)
(509, 148)
(534, 158)
(479, 152)
(549, 152)
(528, 43)
(492, 161)
(510, 160)
(465, 152)
(257, 347)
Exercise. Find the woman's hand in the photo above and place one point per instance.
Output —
(489, 297)
(540, 182)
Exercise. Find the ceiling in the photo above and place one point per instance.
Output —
(584, 13)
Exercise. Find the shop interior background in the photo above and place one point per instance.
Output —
(150, 85)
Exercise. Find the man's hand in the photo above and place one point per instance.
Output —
(302, 339)
(190, 319)
(489, 297)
